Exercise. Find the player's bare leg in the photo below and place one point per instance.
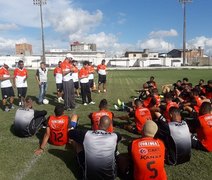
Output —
(104, 87)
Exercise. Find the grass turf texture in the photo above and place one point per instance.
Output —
(17, 160)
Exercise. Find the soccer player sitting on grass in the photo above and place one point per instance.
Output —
(147, 154)
(176, 137)
(141, 115)
(27, 120)
(203, 141)
(57, 129)
(96, 151)
(103, 111)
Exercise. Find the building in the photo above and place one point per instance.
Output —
(23, 49)
(190, 54)
(77, 46)
(141, 54)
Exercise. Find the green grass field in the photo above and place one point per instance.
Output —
(17, 159)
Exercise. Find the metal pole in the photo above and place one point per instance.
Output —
(184, 28)
(42, 33)
(184, 34)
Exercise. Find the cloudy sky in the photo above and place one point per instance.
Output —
(114, 25)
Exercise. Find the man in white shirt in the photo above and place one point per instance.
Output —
(20, 81)
(41, 77)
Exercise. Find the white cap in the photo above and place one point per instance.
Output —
(69, 55)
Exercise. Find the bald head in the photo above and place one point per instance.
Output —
(104, 123)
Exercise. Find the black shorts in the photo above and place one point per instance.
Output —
(7, 92)
(22, 92)
(76, 85)
(91, 83)
(102, 79)
(59, 87)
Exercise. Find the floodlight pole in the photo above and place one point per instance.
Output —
(40, 3)
(184, 29)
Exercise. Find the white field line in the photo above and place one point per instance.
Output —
(28, 167)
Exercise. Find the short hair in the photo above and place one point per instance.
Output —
(103, 60)
(152, 77)
(59, 62)
(43, 63)
(195, 92)
(138, 102)
(209, 81)
(103, 104)
(205, 108)
(174, 110)
(185, 79)
(168, 96)
(28, 99)
(85, 63)
(202, 80)
(59, 109)
(20, 61)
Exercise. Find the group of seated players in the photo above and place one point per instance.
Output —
(168, 125)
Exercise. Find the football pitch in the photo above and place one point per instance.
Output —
(17, 159)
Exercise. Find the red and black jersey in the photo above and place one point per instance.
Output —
(95, 118)
(58, 130)
(141, 116)
(168, 106)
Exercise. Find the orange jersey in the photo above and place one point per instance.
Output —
(75, 68)
(199, 102)
(91, 69)
(20, 77)
(148, 159)
(148, 104)
(58, 130)
(5, 73)
(168, 106)
(204, 133)
(101, 68)
(83, 73)
(96, 117)
(57, 70)
(65, 65)
(141, 116)
(20, 72)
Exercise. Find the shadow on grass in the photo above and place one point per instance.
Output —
(69, 158)
(40, 134)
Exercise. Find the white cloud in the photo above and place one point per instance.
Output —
(107, 42)
(203, 42)
(156, 45)
(7, 46)
(163, 33)
(7, 27)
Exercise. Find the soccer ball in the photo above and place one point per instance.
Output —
(45, 101)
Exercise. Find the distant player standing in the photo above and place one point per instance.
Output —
(91, 72)
(41, 77)
(101, 70)
(6, 87)
(75, 76)
(20, 81)
(68, 84)
(84, 84)
(59, 81)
